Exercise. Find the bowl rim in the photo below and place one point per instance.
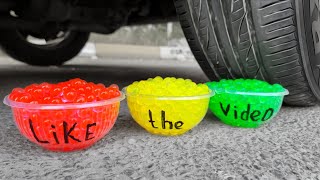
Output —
(14, 104)
(282, 93)
(181, 98)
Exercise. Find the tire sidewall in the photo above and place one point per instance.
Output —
(308, 27)
(15, 45)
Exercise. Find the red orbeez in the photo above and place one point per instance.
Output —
(67, 116)
(72, 91)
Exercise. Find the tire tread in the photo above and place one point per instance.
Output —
(247, 39)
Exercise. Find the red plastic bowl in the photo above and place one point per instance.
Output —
(65, 127)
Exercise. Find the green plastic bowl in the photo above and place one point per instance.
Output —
(246, 109)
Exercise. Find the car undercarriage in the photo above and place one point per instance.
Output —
(49, 16)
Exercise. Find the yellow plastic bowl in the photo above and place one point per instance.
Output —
(168, 116)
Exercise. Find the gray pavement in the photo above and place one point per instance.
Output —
(286, 148)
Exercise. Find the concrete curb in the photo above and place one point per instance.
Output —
(136, 51)
(2, 53)
(123, 51)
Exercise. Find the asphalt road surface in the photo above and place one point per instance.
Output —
(286, 148)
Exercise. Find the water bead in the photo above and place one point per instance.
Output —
(158, 78)
(69, 96)
(91, 97)
(167, 79)
(45, 86)
(47, 100)
(102, 86)
(65, 87)
(188, 80)
(56, 101)
(77, 82)
(116, 94)
(18, 90)
(56, 91)
(34, 102)
(88, 88)
(31, 87)
(80, 99)
(37, 93)
(81, 90)
(105, 95)
(110, 90)
(25, 98)
(278, 87)
(15, 96)
(135, 83)
(97, 91)
(114, 86)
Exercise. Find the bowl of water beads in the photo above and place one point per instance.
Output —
(168, 106)
(67, 116)
(246, 103)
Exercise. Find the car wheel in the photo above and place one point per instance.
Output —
(41, 50)
(272, 40)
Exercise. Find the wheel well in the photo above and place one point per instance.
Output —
(82, 15)
(153, 11)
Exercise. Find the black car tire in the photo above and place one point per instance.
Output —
(16, 46)
(272, 40)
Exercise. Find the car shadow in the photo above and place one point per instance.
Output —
(13, 76)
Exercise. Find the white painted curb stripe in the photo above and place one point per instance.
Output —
(89, 50)
(179, 53)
